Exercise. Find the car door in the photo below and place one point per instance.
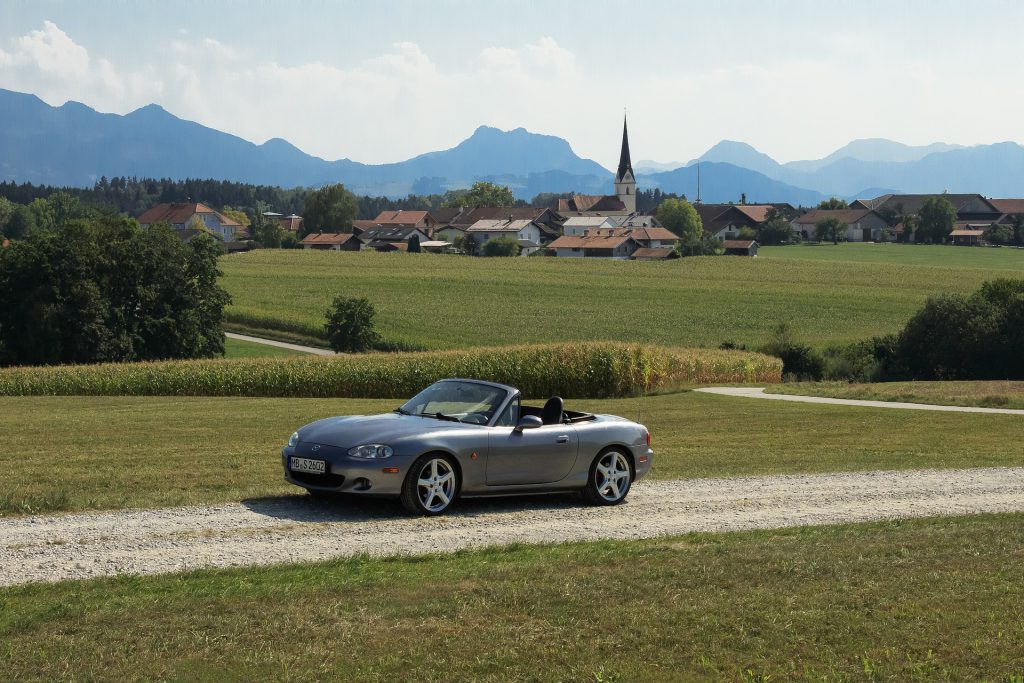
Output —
(533, 456)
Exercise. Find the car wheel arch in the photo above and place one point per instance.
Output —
(626, 450)
(451, 456)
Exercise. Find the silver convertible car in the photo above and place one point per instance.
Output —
(467, 438)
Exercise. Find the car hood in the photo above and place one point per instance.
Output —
(388, 428)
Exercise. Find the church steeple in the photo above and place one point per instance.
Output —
(625, 181)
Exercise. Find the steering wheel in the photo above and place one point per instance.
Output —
(475, 418)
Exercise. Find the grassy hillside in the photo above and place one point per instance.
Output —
(454, 302)
(139, 452)
(984, 394)
(925, 600)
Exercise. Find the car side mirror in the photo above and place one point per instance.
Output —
(528, 422)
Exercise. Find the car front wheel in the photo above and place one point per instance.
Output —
(430, 486)
(610, 478)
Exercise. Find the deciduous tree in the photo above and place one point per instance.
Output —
(936, 219)
(329, 209)
(679, 216)
(483, 194)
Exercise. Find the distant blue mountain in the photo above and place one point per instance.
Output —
(722, 183)
(75, 145)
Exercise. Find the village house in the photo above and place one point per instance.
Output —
(332, 241)
(190, 219)
(525, 232)
(547, 220)
(862, 225)
(967, 238)
(648, 254)
(391, 238)
(724, 221)
(595, 246)
(577, 226)
(407, 219)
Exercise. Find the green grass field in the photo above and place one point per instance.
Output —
(238, 348)
(70, 453)
(984, 394)
(455, 302)
(1002, 258)
(901, 601)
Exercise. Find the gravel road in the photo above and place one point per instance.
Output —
(301, 529)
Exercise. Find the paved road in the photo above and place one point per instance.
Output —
(283, 345)
(758, 392)
(301, 529)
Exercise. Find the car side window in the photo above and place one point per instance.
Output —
(509, 416)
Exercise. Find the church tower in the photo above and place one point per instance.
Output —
(625, 182)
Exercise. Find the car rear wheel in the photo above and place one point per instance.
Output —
(610, 478)
(431, 485)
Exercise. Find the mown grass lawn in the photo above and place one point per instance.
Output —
(452, 302)
(983, 394)
(239, 348)
(73, 453)
(909, 601)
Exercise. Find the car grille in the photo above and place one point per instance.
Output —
(327, 480)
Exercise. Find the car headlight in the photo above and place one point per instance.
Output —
(293, 440)
(371, 450)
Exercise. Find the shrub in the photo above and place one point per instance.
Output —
(799, 362)
(350, 325)
(573, 370)
(957, 337)
(501, 246)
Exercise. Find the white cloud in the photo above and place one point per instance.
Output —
(399, 102)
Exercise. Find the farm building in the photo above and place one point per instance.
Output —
(523, 231)
(966, 238)
(331, 241)
(862, 225)
(595, 246)
(655, 254)
(740, 247)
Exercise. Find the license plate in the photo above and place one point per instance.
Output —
(308, 465)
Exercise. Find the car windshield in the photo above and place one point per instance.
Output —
(465, 401)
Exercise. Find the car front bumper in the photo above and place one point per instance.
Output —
(349, 475)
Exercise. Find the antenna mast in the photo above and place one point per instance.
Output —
(698, 181)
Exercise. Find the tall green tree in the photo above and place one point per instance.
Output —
(830, 228)
(329, 209)
(776, 229)
(936, 219)
(679, 216)
(483, 194)
(105, 290)
(833, 203)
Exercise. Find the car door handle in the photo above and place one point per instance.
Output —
(562, 439)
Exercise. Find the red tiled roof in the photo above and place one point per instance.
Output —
(657, 252)
(967, 233)
(6, 243)
(654, 234)
(1008, 205)
(738, 244)
(180, 214)
(327, 238)
(594, 242)
(402, 217)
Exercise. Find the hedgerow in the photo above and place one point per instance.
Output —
(571, 370)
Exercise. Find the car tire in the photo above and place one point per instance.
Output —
(610, 478)
(431, 486)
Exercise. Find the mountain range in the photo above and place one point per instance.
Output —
(75, 145)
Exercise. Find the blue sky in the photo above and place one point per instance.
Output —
(383, 81)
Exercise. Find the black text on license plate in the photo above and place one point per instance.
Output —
(308, 465)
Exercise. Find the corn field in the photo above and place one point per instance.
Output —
(571, 370)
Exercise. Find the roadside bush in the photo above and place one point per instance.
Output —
(861, 361)
(574, 370)
(350, 325)
(799, 362)
(957, 337)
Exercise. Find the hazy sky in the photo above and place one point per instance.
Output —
(380, 81)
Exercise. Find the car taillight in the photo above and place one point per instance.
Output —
(648, 439)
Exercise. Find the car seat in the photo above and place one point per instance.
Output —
(552, 413)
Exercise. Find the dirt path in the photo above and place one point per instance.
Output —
(284, 345)
(299, 529)
(758, 392)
